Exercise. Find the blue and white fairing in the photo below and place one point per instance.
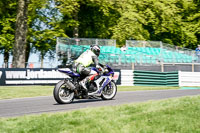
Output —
(107, 77)
(68, 72)
(111, 72)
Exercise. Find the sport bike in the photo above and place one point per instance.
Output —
(101, 85)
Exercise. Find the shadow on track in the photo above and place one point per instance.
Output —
(84, 101)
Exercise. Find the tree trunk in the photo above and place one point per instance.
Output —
(42, 60)
(19, 51)
(75, 31)
(6, 58)
(28, 48)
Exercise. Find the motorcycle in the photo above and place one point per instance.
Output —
(101, 85)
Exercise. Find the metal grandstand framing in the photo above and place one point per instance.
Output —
(137, 53)
(86, 41)
(66, 48)
(163, 52)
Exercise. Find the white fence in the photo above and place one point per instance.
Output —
(127, 77)
(189, 78)
(185, 78)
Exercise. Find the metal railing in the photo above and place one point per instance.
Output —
(163, 52)
(86, 41)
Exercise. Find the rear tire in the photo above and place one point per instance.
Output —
(109, 92)
(62, 94)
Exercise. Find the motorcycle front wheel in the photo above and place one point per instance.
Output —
(109, 91)
(62, 94)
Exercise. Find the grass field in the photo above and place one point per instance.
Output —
(8, 92)
(169, 116)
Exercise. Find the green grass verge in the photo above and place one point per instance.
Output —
(137, 88)
(8, 92)
(169, 116)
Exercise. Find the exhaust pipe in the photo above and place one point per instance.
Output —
(69, 84)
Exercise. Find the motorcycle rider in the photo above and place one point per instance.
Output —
(87, 58)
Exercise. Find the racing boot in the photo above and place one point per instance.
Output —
(85, 92)
(83, 84)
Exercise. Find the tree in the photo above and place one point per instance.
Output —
(20, 35)
(7, 28)
(97, 17)
(44, 27)
(93, 18)
(171, 21)
(69, 16)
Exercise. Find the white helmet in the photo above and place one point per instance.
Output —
(95, 49)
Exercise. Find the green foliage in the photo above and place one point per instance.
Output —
(43, 27)
(176, 22)
(7, 24)
(7, 33)
(42, 21)
(171, 116)
(68, 10)
(94, 18)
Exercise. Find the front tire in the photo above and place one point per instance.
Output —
(109, 91)
(62, 94)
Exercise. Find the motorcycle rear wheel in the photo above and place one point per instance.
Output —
(62, 94)
(109, 91)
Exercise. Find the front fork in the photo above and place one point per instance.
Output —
(108, 81)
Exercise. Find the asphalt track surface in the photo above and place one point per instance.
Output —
(38, 105)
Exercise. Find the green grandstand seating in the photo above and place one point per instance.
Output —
(128, 59)
(112, 54)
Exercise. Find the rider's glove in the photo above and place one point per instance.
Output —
(100, 68)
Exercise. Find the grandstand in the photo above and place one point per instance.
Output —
(137, 52)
